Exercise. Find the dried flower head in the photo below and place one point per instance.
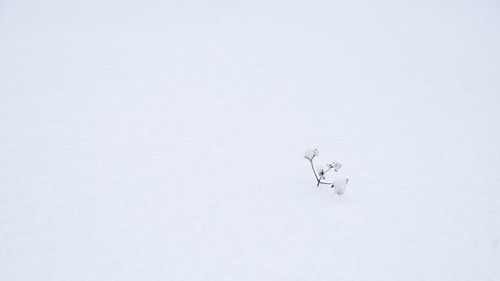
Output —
(339, 185)
(335, 166)
(311, 153)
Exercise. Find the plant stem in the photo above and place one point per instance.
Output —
(316, 176)
(322, 182)
(314, 171)
(329, 168)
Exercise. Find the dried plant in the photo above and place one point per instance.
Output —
(339, 184)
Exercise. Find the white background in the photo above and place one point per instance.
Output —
(162, 140)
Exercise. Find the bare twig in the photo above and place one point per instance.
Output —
(319, 176)
(318, 179)
(314, 170)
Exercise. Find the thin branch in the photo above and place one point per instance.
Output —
(318, 179)
(322, 175)
(329, 168)
(314, 171)
(329, 183)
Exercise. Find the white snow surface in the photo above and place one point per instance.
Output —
(164, 140)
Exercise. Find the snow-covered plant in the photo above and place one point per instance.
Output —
(339, 184)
